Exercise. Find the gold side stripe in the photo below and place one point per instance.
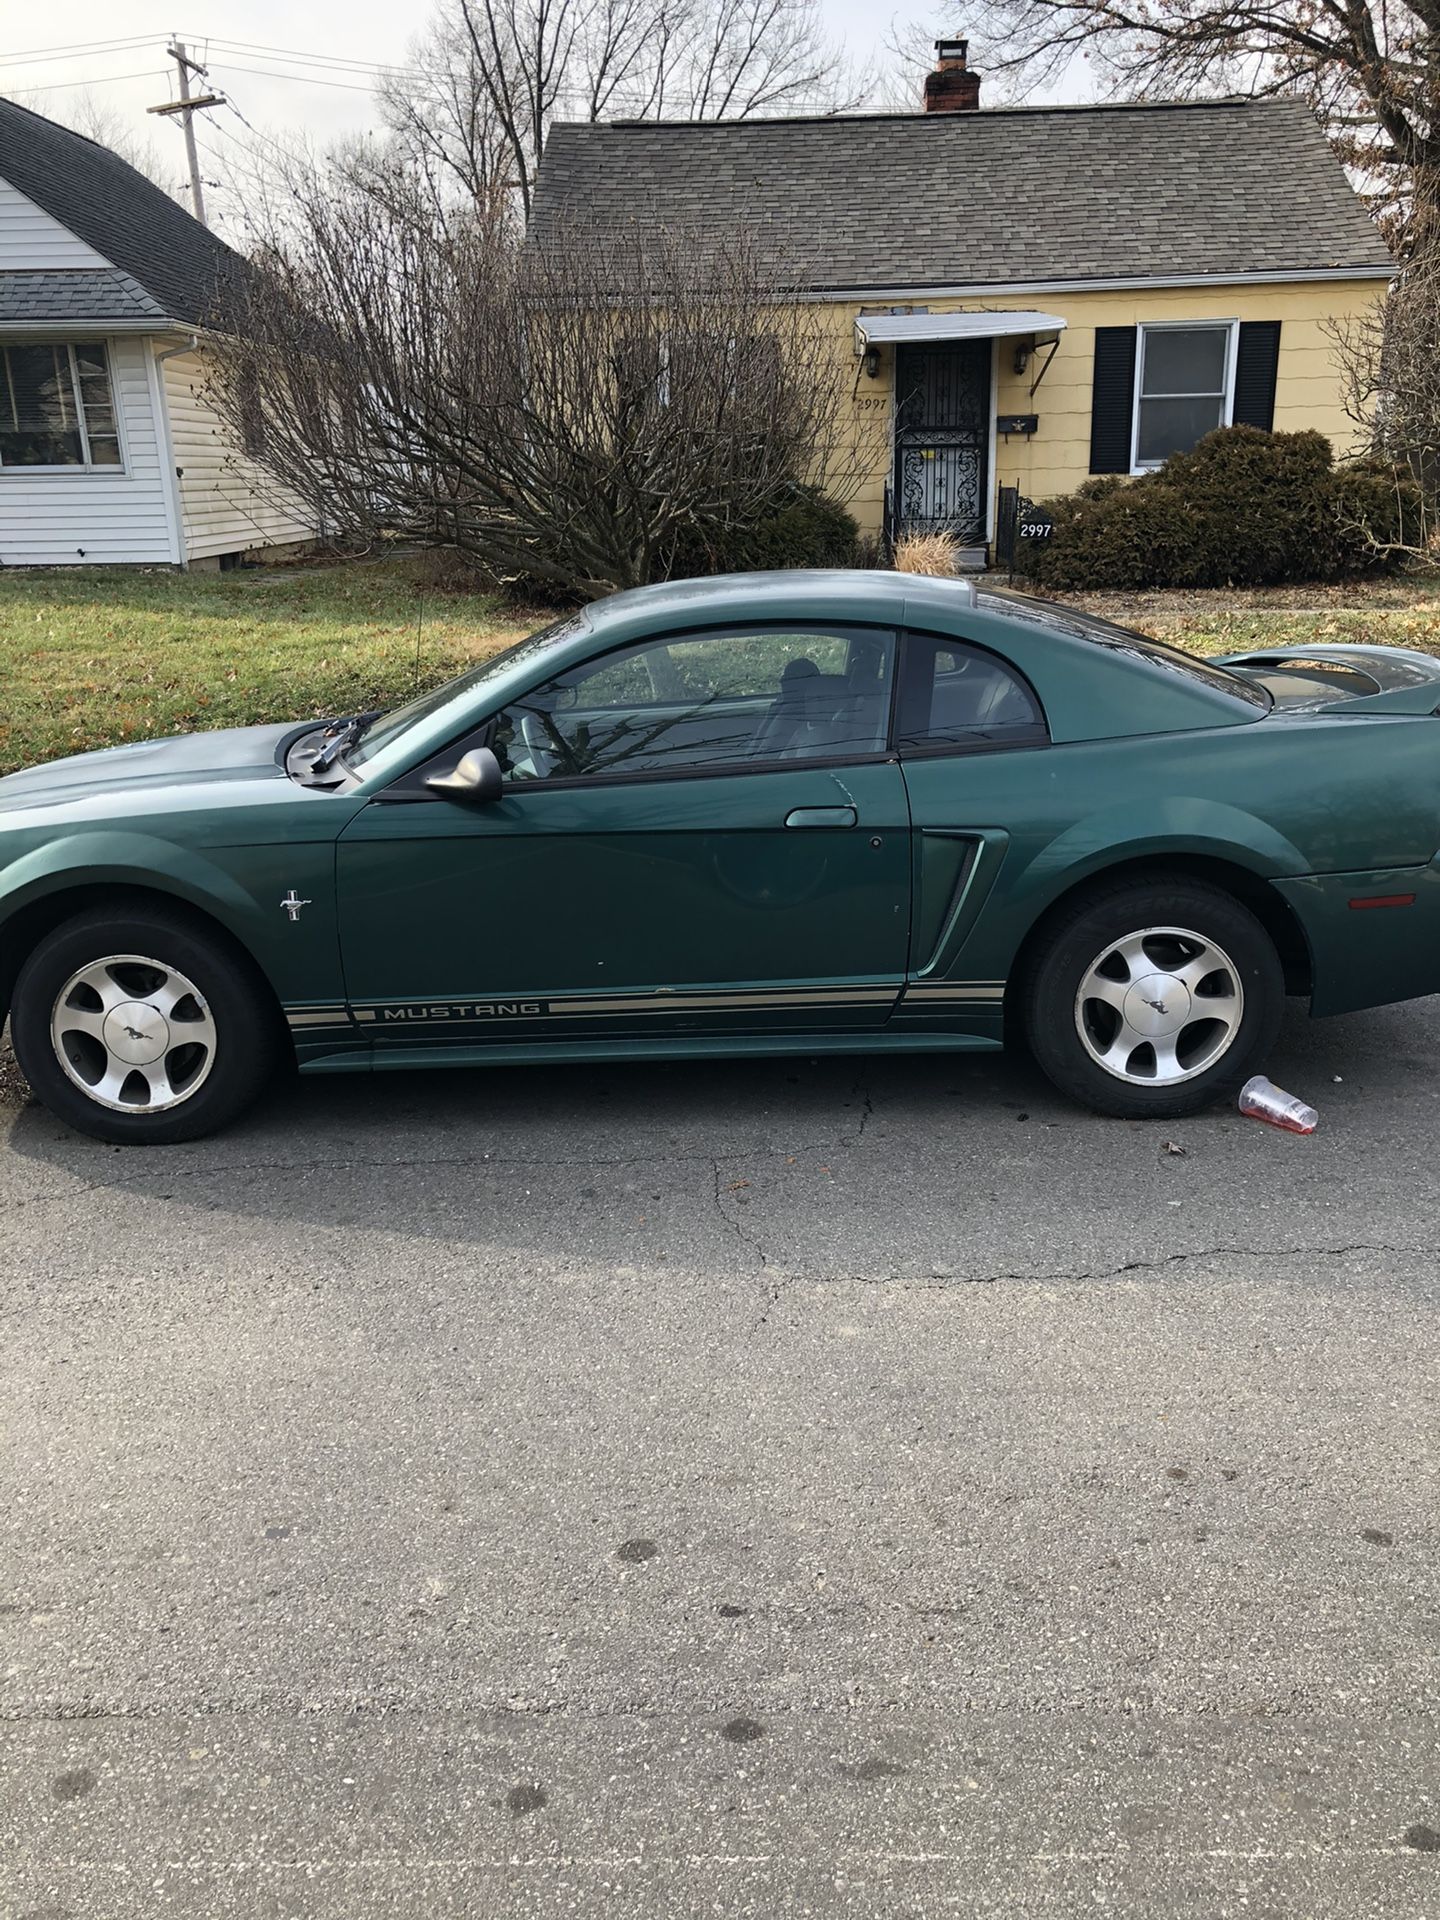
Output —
(949, 986)
(742, 1002)
(985, 997)
(561, 1010)
(648, 1003)
(955, 993)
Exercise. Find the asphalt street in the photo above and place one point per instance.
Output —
(856, 1488)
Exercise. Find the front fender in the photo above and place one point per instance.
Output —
(300, 958)
(106, 857)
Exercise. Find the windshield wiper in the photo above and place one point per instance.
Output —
(339, 735)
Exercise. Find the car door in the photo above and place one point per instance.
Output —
(701, 832)
(970, 732)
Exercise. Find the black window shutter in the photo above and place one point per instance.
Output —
(1257, 357)
(1113, 404)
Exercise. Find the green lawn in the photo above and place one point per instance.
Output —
(92, 658)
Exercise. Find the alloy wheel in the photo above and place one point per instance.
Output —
(1159, 1006)
(135, 1035)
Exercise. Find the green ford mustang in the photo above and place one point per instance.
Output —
(788, 813)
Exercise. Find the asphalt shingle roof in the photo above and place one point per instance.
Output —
(177, 266)
(103, 294)
(1005, 195)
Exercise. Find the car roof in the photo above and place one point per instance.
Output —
(866, 594)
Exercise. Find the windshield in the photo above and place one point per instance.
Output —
(400, 719)
(1102, 633)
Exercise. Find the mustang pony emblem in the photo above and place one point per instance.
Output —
(292, 903)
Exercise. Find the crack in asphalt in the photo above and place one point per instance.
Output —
(731, 1222)
(941, 1283)
(783, 1281)
(357, 1164)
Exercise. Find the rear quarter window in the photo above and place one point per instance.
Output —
(958, 696)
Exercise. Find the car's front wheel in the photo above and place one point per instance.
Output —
(142, 1027)
(1151, 1000)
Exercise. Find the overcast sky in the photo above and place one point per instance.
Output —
(267, 56)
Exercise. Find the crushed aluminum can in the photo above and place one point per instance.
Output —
(1263, 1100)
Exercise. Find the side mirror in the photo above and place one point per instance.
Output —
(475, 776)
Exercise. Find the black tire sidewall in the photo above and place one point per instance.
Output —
(1072, 946)
(245, 1034)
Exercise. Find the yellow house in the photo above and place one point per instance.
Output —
(1022, 296)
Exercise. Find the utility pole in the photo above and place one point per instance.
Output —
(187, 106)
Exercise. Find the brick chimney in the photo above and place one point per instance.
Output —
(952, 87)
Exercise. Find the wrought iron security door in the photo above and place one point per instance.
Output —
(942, 434)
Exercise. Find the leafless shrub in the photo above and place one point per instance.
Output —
(1390, 365)
(566, 414)
(927, 553)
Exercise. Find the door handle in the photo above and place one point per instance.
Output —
(821, 817)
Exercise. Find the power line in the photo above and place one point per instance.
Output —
(303, 79)
(263, 138)
(100, 80)
(252, 50)
(77, 49)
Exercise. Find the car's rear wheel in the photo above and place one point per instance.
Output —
(141, 1027)
(1151, 1000)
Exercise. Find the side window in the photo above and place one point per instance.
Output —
(705, 700)
(952, 695)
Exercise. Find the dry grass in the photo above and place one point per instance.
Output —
(927, 553)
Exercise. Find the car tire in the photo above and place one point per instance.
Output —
(1152, 1000)
(142, 1027)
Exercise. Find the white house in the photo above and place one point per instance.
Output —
(109, 450)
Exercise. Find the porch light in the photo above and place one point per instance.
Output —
(872, 363)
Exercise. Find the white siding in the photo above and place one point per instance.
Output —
(227, 502)
(97, 516)
(32, 239)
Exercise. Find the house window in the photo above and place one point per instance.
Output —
(57, 408)
(1184, 388)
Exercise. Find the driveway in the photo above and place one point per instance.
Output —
(863, 1488)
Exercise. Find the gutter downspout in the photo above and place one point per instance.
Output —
(174, 506)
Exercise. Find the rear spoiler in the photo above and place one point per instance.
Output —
(1403, 680)
(1397, 700)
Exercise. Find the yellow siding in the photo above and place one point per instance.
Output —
(1057, 459)
(227, 503)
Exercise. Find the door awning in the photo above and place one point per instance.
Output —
(873, 328)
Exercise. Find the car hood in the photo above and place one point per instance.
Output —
(1307, 678)
(188, 760)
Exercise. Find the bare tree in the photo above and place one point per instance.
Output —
(499, 72)
(1390, 360)
(572, 415)
(1371, 68)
